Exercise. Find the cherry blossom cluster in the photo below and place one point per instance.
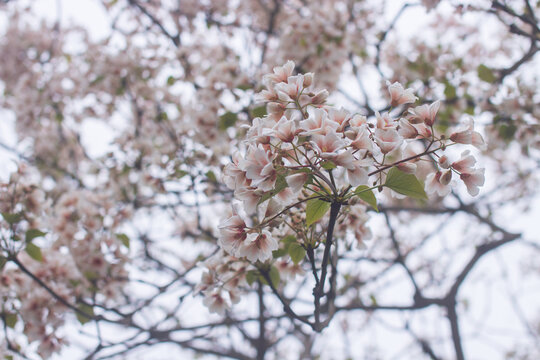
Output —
(72, 247)
(304, 150)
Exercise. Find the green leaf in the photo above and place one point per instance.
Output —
(34, 251)
(3, 261)
(86, 309)
(31, 234)
(259, 111)
(405, 184)
(123, 238)
(279, 253)
(171, 80)
(289, 239)
(373, 299)
(486, 74)
(296, 252)
(227, 120)
(274, 276)
(211, 176)
(252, 276)
(10, 319)
(328, 165)
(244, 87)
(315, 209)
(366, 194)
(11, 218)
(450, 91)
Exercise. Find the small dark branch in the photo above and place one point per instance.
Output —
(417, 305)
(286, 307)
(454, 325)
(423, 343)
(526, 19)
(480, 252)
(384, 34)
(318, 291)
(270, 29)
(533, 49)
(400, 259)
(261, 342)
(51, 292)
(366, 105)
(311, 256)
(174, 38)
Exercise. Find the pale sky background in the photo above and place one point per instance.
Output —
(491, 303)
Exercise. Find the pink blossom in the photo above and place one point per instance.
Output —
(259, 168)
(249, 197)
(285, 130)
(467, 135)
(340, 117)
(317, 123)
(281, 73)
(258, 246)
(357, 176)
(424, 113)
(232, 233)
(399, 96)
(384, 121)
(215, 302)
(438, 182)
(473, 179)
(320, 97)
(406, 130)
(290, 90)
(361, 140)
(465, 163)
(388, 140)
(297, 181)
(233, 176)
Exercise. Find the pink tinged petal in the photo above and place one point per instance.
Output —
(466, 162)
(281, 73)
(216, 303)
(407, 130)
(433, 109)
(338, 115)
(358, 120)
(473, 180)
(387, 140)
(399, 96)
(258, 247)
(296, 181)
(434, 185)
(232, 234)
(285, 196)
(423, 130)
(234, 296)
(407, 167)
(249, 198)
(444, 162)
(357, 176)
(285, 130)
(308, 79)
(478, 141)
(320, 97)
(362, 140)
(345, 159)
(384, 121)
(446, 177)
